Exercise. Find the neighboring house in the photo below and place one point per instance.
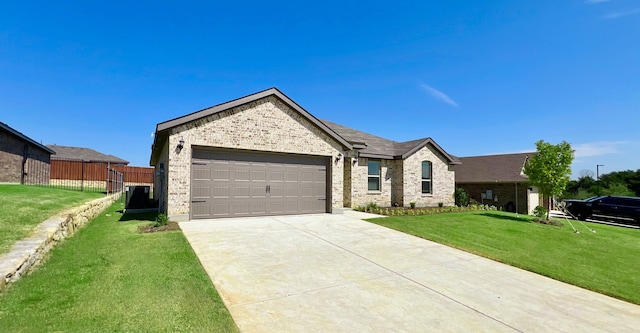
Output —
(85, 154)
(20, 154)
(263, 154)
(498, 180)
(85, 167)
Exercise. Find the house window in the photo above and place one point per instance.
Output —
(374, 175)
(426, 177)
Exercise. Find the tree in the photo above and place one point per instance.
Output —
(550, 168)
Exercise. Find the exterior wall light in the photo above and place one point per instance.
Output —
(339, 157)
(181, 143)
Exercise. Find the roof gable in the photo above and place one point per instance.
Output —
(14, 132)
(163, 128)
(378, 147)
(505, 168)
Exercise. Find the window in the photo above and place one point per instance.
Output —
(426, 177)
(374, 175)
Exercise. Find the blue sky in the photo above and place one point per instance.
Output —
(479, 77)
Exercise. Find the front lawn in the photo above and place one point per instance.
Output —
(605, 261)
(110, 278)
(24, 207)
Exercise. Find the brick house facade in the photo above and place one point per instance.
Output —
(498, 180)
(200, 160)
(22, 160)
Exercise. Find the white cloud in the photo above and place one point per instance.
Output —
(621, 14)
(597, 148)
(437, 94)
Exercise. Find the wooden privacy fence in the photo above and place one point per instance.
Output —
(93, 176)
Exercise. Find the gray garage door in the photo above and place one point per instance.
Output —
(236, 184)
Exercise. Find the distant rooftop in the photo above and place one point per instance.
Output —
(504, 168)
(86, 154)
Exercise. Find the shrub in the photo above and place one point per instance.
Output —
(161, 219)
(440, 204)
(412, 204)
(371, 206)
(540, 212)
(461, 197)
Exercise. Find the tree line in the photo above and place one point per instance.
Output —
(626, 183)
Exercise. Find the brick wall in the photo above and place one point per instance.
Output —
(443, 179)
(267, 125)
(11, 156)
(505, 192)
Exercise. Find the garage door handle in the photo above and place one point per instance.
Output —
(268, 189)
(198, 201)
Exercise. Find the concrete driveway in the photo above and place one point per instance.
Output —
(335, 273)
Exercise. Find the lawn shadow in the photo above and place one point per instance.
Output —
(145, 216)
(507, 217)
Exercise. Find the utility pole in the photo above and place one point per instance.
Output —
(598, 176)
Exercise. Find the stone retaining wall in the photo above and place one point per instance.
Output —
(26, 254)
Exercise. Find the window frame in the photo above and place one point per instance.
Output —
(370, 176)
(426, 180)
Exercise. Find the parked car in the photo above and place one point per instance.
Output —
(615, 206)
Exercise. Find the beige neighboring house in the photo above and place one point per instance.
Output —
(499, 180)
(263, 154)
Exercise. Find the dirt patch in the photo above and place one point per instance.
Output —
(171, 226)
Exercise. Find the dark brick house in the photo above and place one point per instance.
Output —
(22, 160)
(498, 180)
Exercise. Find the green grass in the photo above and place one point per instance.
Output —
(605, 261)
(110, 278)
(24, 207)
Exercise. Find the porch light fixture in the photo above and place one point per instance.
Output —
(339, 157)
(181, 143)
(355, 160)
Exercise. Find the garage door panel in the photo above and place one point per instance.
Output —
(221, 174)
(232, 184)
(242, 175)
(220, 209)
(221, 192)
(259, 175)
(240, 192)
(258, 191)
(202, 192)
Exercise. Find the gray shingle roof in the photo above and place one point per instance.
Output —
(372, 146)
(24, 137)
(86, 154)
(379, 147)
(505, 168)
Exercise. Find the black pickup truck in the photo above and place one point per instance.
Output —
(628, 207)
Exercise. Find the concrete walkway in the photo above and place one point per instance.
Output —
(335, 273)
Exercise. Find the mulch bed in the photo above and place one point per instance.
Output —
(171, 226)
(549, 222)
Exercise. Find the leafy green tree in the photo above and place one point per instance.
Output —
(550, 168)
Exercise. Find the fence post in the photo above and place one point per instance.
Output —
(82, 177)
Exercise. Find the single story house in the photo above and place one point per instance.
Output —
(263, 154)
(498, 180)
(85, 154)
(20, 155)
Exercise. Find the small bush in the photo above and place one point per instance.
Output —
(371, 207)
(461, 197)
(440, 204)
(413, 205)
(540, 212)
(161, 220)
